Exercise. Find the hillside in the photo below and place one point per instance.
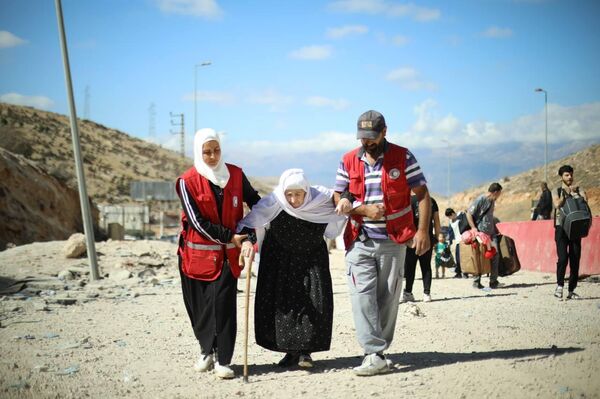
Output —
(519, 190)
(35, 206)
(112, 159)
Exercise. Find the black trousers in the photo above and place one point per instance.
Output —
(457, 268)
(568, 251)
(211, 307)
(410, 267)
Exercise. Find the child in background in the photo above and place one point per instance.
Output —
(443, 256)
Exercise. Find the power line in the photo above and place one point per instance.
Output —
(181, 124)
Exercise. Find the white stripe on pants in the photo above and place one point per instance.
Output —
(375, 269)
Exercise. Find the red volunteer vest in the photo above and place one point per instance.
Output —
(396, 194)
(202, 258)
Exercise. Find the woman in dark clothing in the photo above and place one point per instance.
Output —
(293, 310)
(211, 196)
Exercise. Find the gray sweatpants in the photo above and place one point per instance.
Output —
(375, 269)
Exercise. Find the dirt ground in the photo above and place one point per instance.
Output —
(128, 335)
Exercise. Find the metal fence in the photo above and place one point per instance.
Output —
(153, 191)
(131, 217)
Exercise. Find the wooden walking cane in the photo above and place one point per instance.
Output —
(248, 267)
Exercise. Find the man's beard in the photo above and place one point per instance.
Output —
(374, 150)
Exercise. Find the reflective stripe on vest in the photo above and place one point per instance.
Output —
(204, 247)
(399, 213)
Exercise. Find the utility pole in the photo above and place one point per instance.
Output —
(86, 214)
(181, 124)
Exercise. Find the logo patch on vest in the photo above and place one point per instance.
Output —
(394, 174)
(235, 201)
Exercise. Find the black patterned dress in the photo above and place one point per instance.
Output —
(294, 299)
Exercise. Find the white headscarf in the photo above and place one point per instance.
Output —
(218, 175)
(317, 207)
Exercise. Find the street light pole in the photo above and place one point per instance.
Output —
(205, 63)
(546, 139)
(448, 178)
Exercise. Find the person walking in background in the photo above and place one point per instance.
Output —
(410, 262)
(543, 209)
(293, 308)
(211, 194)
(378, 178)
(480, 216)
(568, 250)
(457, 222)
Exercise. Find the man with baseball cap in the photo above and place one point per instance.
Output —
(373, 186)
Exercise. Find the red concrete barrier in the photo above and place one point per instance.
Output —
(537, 250)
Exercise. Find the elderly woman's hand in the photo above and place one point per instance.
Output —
(343, 207)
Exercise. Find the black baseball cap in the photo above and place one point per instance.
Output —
(370, 125)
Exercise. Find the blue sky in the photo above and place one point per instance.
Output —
(289, 79)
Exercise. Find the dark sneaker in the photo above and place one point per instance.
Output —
(572, 295)
(477, 285)
(495, 284)
(305, 361)
(457, 275)
(289, 360)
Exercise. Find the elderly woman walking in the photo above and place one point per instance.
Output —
(294, 299)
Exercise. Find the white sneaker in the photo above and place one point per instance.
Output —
(223, 371)
(558, 292)
(426, 298)
(407, 297)
(372, 365)
(205, 363)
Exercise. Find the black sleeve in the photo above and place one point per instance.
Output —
(348, 195)
(214, 232)
(251, 196)
(434, 207)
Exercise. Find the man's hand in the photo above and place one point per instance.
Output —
(343, 207)
(421, 242)
(248, 250)
(374, 211)
(237, 239)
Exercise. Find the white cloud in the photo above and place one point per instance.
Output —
(321, 143)
(388, 8)
(311, 53)
(338, 105)
(276, 101)
(40, 102)
(215, 97)
(343, 31)
(8, 39)
(197, 8)
(495, 32)
(409, 79)
(565, 124)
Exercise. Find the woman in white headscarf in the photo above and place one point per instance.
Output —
(293, 310)
(212, 193)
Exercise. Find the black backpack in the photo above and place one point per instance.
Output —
(463, 223)
(576, 217)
